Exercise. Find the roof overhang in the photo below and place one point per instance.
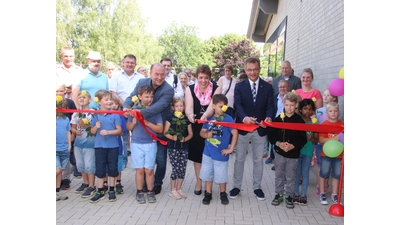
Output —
(260, 19)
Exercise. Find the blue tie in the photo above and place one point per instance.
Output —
(254, 92)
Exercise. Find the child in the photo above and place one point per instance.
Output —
(66, 173)
(116, 105)
(178, 146)
(321, 116)
(107, 127)
(307, 111)
(84, 146)
(217, 148)
(327, 163)
(143, 147)
(288, 144)
(63, 144)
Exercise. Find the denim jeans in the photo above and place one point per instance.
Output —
(161, 162)
(303, 169)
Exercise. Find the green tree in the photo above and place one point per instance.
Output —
(182, 45)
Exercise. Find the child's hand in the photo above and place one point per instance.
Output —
(78, 132)
(98, 124)
(127, 113)
(225, 152)
(285, 146)
(103, 132)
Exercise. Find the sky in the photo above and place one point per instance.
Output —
(211, 17)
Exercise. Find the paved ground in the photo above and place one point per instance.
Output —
(245, 209)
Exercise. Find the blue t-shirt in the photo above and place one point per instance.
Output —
(62, 127)
(214, 151)
(92, 83)
(108, 122)
(139, 134)
(120, 140)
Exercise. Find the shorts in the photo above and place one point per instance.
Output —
(327, 164)
(62, 159)
(106, 162)
(213, 170)
(85, 160)
(143, 155)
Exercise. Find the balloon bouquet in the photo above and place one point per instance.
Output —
(334, 148)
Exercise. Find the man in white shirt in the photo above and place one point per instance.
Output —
(171, 78)
(123, 82)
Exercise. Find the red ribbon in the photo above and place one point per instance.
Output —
(319, 128)
(136, 113)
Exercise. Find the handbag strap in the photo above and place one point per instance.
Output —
(226, 92)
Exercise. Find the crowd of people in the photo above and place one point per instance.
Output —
(160, 121)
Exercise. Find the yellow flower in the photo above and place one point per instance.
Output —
(59, 98)
(314, 99)
(282, 115)
(224, 108)
(314, 120)
(134, 98)
(83, 93)
(293, 91)
(85, 121)
(96, 99)
(178, 114)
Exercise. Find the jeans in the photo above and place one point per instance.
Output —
(161, 162)
(303, 169)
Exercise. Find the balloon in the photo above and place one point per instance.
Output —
(341, 73)
(336, 87)
(333, 148)
(341, 138)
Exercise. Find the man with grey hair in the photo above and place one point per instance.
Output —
(287, 74)
(163, 95)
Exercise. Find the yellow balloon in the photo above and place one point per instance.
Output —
(341, 73)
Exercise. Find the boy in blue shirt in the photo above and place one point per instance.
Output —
(143, 147)
(220, 142)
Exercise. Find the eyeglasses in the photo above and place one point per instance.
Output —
(252, 70)
(130, 63)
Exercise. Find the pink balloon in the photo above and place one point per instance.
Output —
(336, 87)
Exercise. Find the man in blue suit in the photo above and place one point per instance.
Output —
(163, 95)
(253, 103)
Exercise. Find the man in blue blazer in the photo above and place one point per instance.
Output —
(253, 103)
(163, 95)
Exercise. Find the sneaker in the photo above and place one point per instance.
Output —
(277, 200)
(268, 161)
(224, 198)
(303, 200)
(82, 188)
(60, 196)
(157, 189)
(174, 194)
(234, 193)
(260, 194)
(140, 198)
(111, 196)
(197, 192)
(89, 192)
(317, 191)
(151, 197)
(289, 202)
(118, 189)
(273, 168)
(322, 199)
(97, 197)
(207, 198)
(65, 184)
(334, 198)
(296, 199)
(181, 193)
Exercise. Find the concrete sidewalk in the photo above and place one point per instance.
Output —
(245, 209)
